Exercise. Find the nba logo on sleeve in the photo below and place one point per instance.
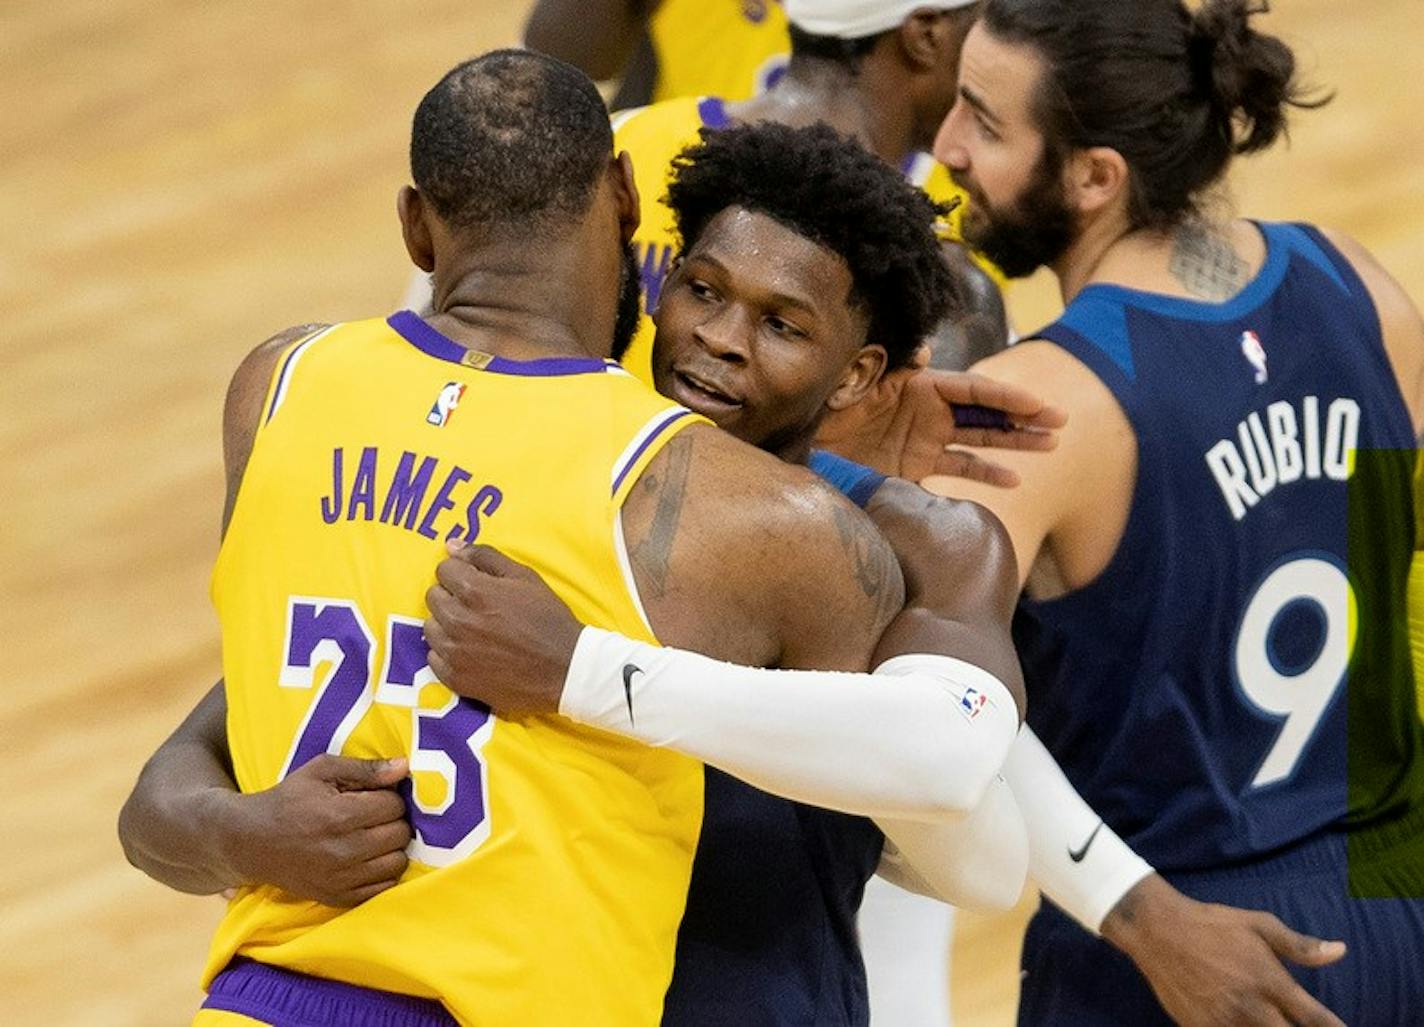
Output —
(972, 702)
(445, 404)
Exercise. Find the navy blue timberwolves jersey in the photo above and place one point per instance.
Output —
(1195, 693)
(769, 936)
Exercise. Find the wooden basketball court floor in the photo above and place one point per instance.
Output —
(177, 181)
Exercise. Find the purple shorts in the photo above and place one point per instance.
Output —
(285, 998)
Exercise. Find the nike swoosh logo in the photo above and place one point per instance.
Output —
(1076, 855)
(629, 669)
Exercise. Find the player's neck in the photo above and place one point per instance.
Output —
(1082, 263)
(525, 308)
(1196, 260)
(862, 106)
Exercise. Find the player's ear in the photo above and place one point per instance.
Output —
(922, 37)
(861, 375)
(625, 189)
(1097, 178)
(416, 233)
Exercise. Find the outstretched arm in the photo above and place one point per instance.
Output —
(928, 731)
(1209, 965)
(914, 422)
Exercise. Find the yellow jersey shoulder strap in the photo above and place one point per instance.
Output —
(657, 431)
(284, 369)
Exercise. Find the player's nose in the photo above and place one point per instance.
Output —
(949, 149)
(725, 333)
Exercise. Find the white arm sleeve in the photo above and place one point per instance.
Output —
(1078, 861)
(978, 862)
(920, 739)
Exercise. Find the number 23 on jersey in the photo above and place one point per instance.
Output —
(329, 646)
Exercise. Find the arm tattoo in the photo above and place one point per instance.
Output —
(652, 553)
(1206, 264)
(872, 563)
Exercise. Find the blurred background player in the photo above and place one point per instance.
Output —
(661, 49)
(1191, 572)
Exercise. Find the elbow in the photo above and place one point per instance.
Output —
(130, 817)
(963, 791)
(1000, 864)
(969, 774)
(998, 891)
(125, 833)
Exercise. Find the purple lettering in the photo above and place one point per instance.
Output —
(652, 272)
(407, 490)
(319, 631)
(486, 501)
(442, 501)
(331, 505)
(363, 488)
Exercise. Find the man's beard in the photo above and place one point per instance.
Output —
(625, 326)
(1036, 229)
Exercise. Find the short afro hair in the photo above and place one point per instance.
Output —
(512, 141)
(831, 190)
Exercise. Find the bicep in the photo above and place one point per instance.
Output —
(847, 587)
(742, 557)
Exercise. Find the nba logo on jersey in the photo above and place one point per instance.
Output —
(1255, 354)
(972, 702)
(445, 405)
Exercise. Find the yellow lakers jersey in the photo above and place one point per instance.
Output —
(550, 862)
(730, 48)
(653, 136)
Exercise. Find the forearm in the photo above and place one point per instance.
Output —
(979, 862)
(922, 739)
(171, 826)
(1078, 861)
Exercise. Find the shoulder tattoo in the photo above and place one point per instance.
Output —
(872, 563)
(651, 552)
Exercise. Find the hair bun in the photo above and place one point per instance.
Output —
(1248, 77)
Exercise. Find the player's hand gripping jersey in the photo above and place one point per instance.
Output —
(550, 865)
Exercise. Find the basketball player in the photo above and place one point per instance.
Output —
(661, 49)
(768, 948)
(474, 857)
(1192, 577)
(881, 73)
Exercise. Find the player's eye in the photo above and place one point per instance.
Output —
(780, 326)
(985, 129)
(701, 289)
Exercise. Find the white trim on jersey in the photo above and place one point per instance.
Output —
(284, 377)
